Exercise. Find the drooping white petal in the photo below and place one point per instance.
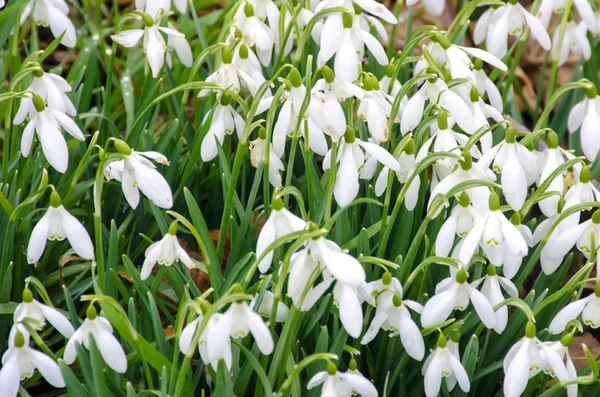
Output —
(128, 38)
(48, 368)
(566, 314)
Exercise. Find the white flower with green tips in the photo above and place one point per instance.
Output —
(342, 384)
(585, 116)
(40, 313)
(443, 364)
(165, 252)
(58, 224)
(53, 14)
(588, 308)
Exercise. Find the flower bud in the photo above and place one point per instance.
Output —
(367, 83)
(442, 121)
(122, 147)
(91, 312)
(491, 270)
(19, 339)
(353, 365)
(510, 135)
(584, 175)
(349, 135)
(591, 92)
(461, 276)
(226, 55)
(39, 72)
(474, 94)
(262, 133)
(441, 342)
(248, 10)
(494, 202)
(173, 228)
(530, 330)
(27, 295)
(456, 337)
(386, 279)
(277, 204)
(244, 51)
(516, 218)
(464, 199)
(410, 147)
(347, 20)
(478, 64)
(147, 19)
(295, 78)
(55, 199)
(397, 301)
(566, 339)
(331, 368)
(596, 217)
(39, 104)
(389, 70)
(467, 161)
(327, 74)
(552, 140)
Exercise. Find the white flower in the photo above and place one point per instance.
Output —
(511, 18)
(494, 234)
(258, 153)
(224, 120)
(351, 159)
(511, 263)
(227, 76)
(567, 369)
(100, 329)
(58, 224)
(135, 172)
(392, 314)
(152, 7)
(280, 223)
(255, 32)
(327, 95)
(165, 252)
(574, 40)
(375, 109)
(558, 6)
(586, 115)
(185, 340)
(302, 267)
(588, 308)
(486, 86)
(342, 384)
(443, 363)
(526, 359)
(52, 13)
(346, 298)
(154, 43)
(517, 167)
(492, 291)
(459, 223)
(47, 123)
(37, 311)
(456, 293)
(52, 88)
(434, 7)
(266, 305)
(408, 166)
(237, 322)
(583, 191)
(434, 89)
(549, 264)
(343, 39)
(20, 361)
(481, 113)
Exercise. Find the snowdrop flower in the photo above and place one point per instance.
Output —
(52, 13)
(136, 172)
(583, 191)
(287, 120)
(588, 308)
(165, 252)
(226, 77)
(431, 90)
(20, 362)
(391, 86)
(443, 364)
(549, 264)
(408, 166)
(373, 7)
(247, 66)
(255, 32)
(258, 154)
(486, 86)
(58, 224)
(185, 340)
(459, 223)
(340, 38)
(47, 123)
(455, 293)
(494, 234)
(154, 43)
(281, 222)
(266, 305)
(512, 160)
(346, 299)
(53, 89)
(466, 171)
(351, 158)
(574, 40)
(511, 18)
(492, 289)
(100, 329)
(511, 263)
(558, 6)
(37, 311)
(375, 109)
(481, 113)
(586, 115)
(328, 93)
(327, 256)
(434, 7)
(153, 7)
(392, 314)
(561, 348)
(526, 359)
(224, 120)
(237, 322)
(342, 384)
